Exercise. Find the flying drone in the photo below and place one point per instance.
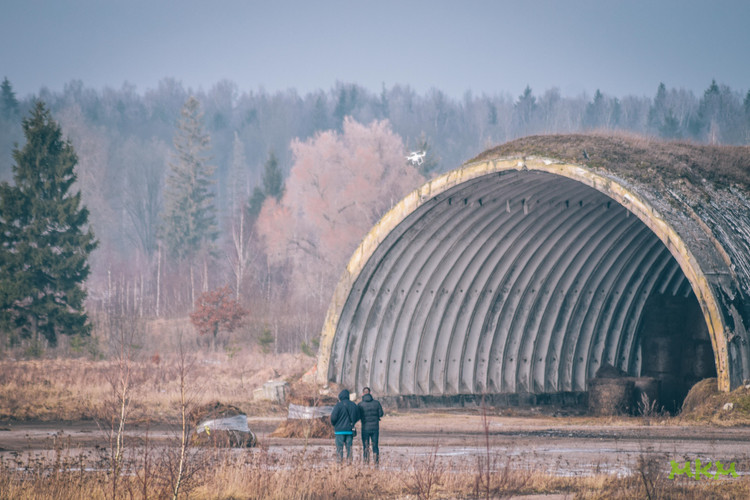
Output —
(416, 157)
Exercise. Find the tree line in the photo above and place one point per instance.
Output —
(269, 193)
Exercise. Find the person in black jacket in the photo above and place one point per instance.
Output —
(345, 414)
(370, 412)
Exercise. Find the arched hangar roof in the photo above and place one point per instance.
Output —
(530, 266)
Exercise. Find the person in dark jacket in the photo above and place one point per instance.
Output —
(345, 414)
(370, 412)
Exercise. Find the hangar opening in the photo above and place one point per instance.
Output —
(525, 276)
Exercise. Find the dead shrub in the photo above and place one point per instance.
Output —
(305, 428)
(302, 394)
(425, 476)
(704, 403)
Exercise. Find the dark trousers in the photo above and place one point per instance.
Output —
(341, 441)
(368, 435)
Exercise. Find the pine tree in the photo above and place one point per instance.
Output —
(346, 104)
(255, 204)
(659, 109)
(709, 108)
(273, 185)
(319, 114)
(189, 219)
(383, 106)
(524, 110)
(8, 100)
(491, 114)
(273, 182)
(596, 111)
(661, 117)
(46, 240)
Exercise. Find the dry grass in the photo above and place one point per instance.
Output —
(705, 404)
(54, 390)
(78, 388)
(74, 389)
(632, 487)
(308, 428)
(314, 475)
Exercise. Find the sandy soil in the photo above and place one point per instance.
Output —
(563, 446)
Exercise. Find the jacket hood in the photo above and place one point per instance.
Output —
(344, 395)
(367, 397)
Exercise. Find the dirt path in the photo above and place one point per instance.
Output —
(562, 446)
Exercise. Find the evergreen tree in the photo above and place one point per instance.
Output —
(383, 106)
(273, 182)
(658, 109)
(670, 128)
(720, 115)
(189, 220)
(615, 113)
(256, 202)
(491, 114)
(709, 109)
(8, 100)
(661, 117)
(319, 114)
(46, 240)
(596, 111)
(524, 110)
(346, 104)
(273, 185)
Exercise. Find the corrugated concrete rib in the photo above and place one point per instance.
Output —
(498, 286)
(561, 278)
(510, 281)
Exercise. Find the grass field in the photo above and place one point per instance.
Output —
(76, 389)
(162, 390)
(221, 474)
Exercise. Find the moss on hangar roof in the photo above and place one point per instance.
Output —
(638, 158)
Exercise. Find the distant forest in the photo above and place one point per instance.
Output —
(297, 180)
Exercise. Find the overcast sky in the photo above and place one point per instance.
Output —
(495, 47)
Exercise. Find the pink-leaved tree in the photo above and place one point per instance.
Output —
(339, 186)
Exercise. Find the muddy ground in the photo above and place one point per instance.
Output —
(561, 446)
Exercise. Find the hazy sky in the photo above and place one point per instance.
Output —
(493, 47)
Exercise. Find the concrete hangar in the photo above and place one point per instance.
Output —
(540, 261)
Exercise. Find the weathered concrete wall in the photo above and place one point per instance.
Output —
(525, 274)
